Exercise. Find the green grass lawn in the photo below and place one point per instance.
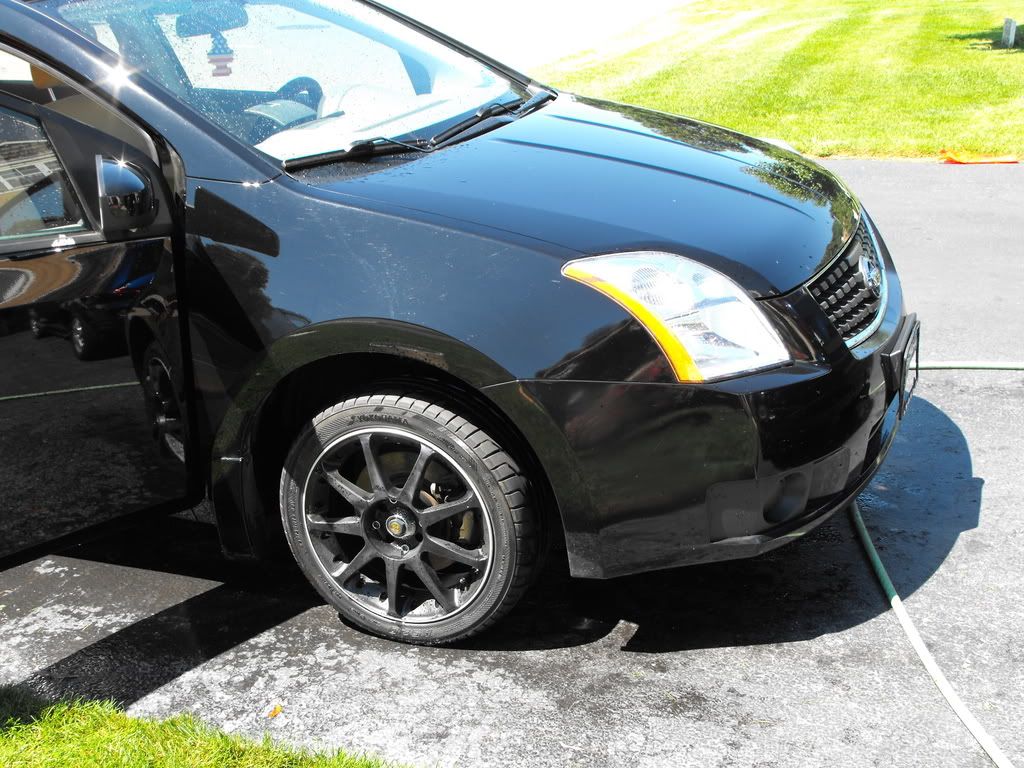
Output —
(899, 78)
(97, 734)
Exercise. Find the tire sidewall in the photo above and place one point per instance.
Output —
(334, 424)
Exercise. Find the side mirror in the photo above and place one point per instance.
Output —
(127, 200)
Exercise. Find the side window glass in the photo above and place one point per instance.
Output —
(35, 195)
(13, 69)
(16, 79)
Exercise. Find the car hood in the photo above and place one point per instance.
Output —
(597, 177)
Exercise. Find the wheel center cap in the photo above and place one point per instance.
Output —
(399, 526)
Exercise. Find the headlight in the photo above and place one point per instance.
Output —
(705, 324)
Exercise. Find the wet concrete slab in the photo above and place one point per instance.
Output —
(788, 659)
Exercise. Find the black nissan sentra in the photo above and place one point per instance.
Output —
(413, 315)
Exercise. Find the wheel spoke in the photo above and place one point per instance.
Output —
(415, 479)
(348, 525)
(445, 562)
(348, 490)
(444, 597)
(432, 515)
(393, 570)
(346, 571)
(372, 467)
(472, 557)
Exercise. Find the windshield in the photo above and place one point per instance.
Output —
(293, 78)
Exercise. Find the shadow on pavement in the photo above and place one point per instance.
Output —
(917, 506)
(925, 496)
(133, 662)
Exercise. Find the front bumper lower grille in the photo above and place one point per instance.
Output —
(843, 292)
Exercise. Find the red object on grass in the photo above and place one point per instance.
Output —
(973, 158)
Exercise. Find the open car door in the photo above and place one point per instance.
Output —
(85, 226)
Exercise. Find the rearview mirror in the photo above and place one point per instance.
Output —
(127, 200)
(211, 18)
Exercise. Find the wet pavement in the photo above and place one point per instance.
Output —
(788, 659)
(116, 467)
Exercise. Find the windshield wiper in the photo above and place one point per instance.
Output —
(512, 109)
(382, 145)
(537, 100)
(379, 145)
(484, 113)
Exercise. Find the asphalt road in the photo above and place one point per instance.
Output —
(789, 659)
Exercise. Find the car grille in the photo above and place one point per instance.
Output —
(843, 292)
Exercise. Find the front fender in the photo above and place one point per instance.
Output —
(337, 338)
(234, 488)
(334, 278)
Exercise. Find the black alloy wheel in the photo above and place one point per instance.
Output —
(408, 519)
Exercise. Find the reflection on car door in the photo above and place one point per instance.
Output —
(76, 444)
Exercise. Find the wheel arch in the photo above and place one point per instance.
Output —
(316, 367)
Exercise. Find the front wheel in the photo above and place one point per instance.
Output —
(408, 519)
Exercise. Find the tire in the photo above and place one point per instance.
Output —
(85, 341)
(161, 403)
(434, 545)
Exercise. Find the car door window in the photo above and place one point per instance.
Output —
(16, 79)
(14, 70)
(36, 197)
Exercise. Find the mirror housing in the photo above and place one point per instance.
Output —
(127, 200)
(101, 166)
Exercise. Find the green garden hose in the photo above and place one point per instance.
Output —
(980, 734)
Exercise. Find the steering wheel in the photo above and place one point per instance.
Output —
(304, 90)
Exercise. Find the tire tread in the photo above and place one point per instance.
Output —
(505, 472)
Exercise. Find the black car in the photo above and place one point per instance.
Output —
(417, 316)
(95, 326)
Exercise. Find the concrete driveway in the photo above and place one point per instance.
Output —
(789, 659)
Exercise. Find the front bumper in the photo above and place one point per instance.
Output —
(665, 475)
